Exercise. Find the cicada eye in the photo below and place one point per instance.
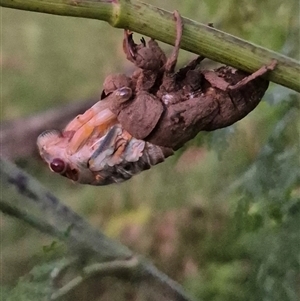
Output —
(123, 94)
(58, 165)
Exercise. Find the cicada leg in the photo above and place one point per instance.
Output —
(98, 117)
(129, 47)
(169, 81)
(82, 119)
(172, 60)
(99, 123)
(261, 71)
(121, 143)
(148, 58)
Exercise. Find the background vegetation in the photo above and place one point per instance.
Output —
(222, 216)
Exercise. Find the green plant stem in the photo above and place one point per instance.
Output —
(113, 268)
(23, 197)
(159, 24)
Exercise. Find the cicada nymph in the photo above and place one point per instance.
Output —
(95, 149)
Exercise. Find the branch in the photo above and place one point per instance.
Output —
(159, 24)
(24, 197)
(23, 193)
(113, 268)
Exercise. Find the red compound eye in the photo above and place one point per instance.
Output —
(58, 165)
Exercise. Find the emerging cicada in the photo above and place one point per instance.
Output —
(95, 149)
(141, 119)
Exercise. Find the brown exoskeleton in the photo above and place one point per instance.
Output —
(141, 119)
(169, 108)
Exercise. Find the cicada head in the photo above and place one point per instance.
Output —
(52, 147)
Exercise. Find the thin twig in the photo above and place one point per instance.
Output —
(114, 268)
(34, 222)
(159, 24)
(26, 199)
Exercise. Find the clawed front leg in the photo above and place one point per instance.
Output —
(129, 46)
(190, 66)
(149, 57)
(152, 57)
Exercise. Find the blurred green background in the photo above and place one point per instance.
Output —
(222, 216)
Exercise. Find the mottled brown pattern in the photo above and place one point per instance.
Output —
(169, 108)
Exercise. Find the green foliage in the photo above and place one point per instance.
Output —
(36, 285)
(242, 241)
(269, 213)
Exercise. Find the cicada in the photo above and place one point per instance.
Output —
(141, 119)
(95, 149)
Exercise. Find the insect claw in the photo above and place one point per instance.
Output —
(129, 46)
(143, 41)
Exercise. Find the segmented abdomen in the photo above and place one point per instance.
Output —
(133, 159)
